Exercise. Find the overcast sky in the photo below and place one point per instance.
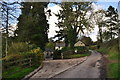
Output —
(53, 19)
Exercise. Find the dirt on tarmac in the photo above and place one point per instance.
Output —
(52, 67)
(91, 68)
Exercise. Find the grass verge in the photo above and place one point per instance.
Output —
(113, 70)
(110, 49)
(17, 73)
(76, 56)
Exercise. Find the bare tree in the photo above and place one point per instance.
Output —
(9, 17)
(98, 19)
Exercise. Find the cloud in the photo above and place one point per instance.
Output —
(96, 7)
(52, 20)
(94, 33)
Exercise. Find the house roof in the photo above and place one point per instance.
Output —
(79, 43)
(60, 44)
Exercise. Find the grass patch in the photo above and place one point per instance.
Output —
(76, 56)
(114, 70)
(110, 48)
(17, 73)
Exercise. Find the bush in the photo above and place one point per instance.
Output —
(19, 60)
(18, 47)
(93, 47)
(70, 53)
(57, 54)
(37, 50)
(110, 48)
(16, 59)
(50, 45)
(66, 54)
(65, 49)
(81, 50)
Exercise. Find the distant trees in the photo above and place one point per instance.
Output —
(32, 25)
(8, 12)
(110, 24)
(50, 45)
(98, 18)
(107, 23)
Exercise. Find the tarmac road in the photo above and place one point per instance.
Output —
(88, 69)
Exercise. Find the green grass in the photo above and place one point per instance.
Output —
(111, 49)
(114, 70)
(17, 73)
(76, 56)
(21, 73)
(112, 53)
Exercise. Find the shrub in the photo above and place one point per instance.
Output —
(17, 59)
(50, 45)
(93, 47)
(69, 55)
(66, 54)
(23, 59)
(18, 47)
(81, 50)
(37, 50)
(65, 49)
(57, 54)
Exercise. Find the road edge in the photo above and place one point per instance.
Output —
(27, 77)
(67, 68)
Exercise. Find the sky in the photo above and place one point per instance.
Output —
(99, 5)
(53, 19)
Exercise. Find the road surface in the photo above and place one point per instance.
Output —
(88, 69)
(53, 67)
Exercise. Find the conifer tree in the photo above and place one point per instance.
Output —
(32, 26)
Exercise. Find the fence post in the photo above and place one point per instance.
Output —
(30, 62)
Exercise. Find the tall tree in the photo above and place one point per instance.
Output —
(98, 19)
(32, 26)
(8, 10)
(72, 20)
(111, 22)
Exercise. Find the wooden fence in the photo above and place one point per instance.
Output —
(27, 62)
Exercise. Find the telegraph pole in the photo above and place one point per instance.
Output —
(0, 43)
(6, 50)
(119, 23)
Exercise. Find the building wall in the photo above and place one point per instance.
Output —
(79, 43)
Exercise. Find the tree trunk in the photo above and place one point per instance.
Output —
(119, 36)
(100, 33)
(66, 41)
(111, 33)
(6, 50)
